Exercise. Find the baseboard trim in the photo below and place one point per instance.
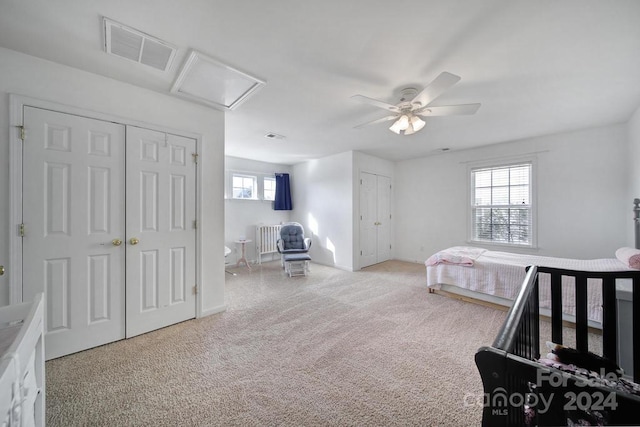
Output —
(413, 261)
(214, 310)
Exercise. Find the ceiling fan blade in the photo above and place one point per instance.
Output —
(448, 110)
(384, 119)
(443, 82)
(376, 103)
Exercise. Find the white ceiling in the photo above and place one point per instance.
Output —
(537, 67)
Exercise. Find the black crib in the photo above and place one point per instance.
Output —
(519, 391)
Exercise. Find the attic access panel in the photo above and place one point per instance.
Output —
(213, 83)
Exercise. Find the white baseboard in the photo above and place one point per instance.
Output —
(214, 310)
(414, 261)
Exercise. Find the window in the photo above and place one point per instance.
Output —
(244, 187)
(501, 205)
(269, 190)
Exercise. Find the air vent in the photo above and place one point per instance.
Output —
(137, 46)
(272, 135)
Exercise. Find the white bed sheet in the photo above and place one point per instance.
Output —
(502, 273)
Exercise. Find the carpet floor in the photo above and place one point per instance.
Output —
(334, 348)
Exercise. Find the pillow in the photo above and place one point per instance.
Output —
(629, 256)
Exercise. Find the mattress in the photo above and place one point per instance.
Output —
(501, 274)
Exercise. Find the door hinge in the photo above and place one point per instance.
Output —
(21, 230)
(22, 132)
(360, 253)
(195, 290)
(360, 182)
(195, 224)
(195, 158)
(389, 246)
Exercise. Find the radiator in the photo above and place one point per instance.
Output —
(266, 240)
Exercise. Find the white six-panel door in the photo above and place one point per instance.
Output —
(375, 219)
(161, 189)
(383, 209)
(73, 213)
(368, 220)
(82, 230)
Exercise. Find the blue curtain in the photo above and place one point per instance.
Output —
(283, 193)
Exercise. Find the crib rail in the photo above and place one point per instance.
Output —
(609, 309)
(508, 368)
(522, 321)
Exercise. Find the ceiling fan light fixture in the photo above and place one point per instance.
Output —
(417, 123)
(395, 127)
(407, 124)
(413, 104)
(401, 124)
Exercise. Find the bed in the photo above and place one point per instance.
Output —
(497, 277)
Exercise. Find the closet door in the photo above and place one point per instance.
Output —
(368, 219)
(161, 237)
(383, 213)
(375, 219)
(73, 215)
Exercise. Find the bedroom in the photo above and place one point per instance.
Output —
(532, 68)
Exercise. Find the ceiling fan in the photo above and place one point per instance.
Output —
(413, 105)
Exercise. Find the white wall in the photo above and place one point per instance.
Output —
(366, 163)
(582, 195)
(242, 216)
(36, 78)
(322, 193)
(634, 168)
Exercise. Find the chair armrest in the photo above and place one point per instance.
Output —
(307, 243)
(280, 245)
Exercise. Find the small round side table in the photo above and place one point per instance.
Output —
(243, 259)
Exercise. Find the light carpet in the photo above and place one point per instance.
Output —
(333, 348)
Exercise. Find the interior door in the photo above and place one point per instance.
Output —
(161, 235)
(383, 209)
(73, 215)
(375, 219)
(368, 219)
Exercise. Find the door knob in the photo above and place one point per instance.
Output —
(116, 242)
(1, 270)
(134, 241)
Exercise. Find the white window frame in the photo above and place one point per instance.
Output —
(532, 202)
(256, 190)
(259, 189)
(264, 188)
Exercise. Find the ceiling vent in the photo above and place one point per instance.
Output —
(213, 83)
(273, 135)
(137, 46)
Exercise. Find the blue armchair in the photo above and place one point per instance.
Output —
(292, 240)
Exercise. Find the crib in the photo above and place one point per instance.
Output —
(519, 390)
